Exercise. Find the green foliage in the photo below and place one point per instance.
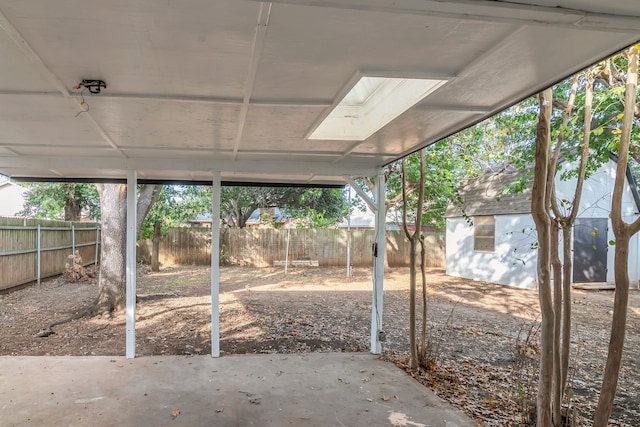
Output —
(313, 207)
(449, 163)
(318, 207)
(48, 200)
(176, 204)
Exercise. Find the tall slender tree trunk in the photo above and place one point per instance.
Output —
(566, 305)
(155, 246)
(413, 240)
(557, 317)
(423, 276)
(541, 217)
(618, 331)
(412, 304)
(623, 233)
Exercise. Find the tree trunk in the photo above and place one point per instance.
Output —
(413, 240)
(72, 210)
(423, 275)
(155, 247)
(566, 305)
(147, 196)
(623, 233)
(113, 206)
(111, 289)
(618, 329)
(540, 211)
(412, 304)
(557, 317)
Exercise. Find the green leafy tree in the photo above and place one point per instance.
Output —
(174, 205)
(316, 206)
(65, 201)
(594, 115)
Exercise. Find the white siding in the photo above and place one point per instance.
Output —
(596, 203)
(11, 199)
(513, 262)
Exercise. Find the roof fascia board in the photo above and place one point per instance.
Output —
(277, 167)
(179, 182)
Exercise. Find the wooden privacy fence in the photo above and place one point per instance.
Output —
(32, 249)
(262, 247)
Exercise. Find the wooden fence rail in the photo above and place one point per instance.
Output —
(32, 249)
(263, 247)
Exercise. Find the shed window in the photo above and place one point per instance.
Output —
(484, 233)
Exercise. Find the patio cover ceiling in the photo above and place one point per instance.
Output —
(196, 86)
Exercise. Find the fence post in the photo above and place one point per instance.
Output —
(38, 253)
(95, 258)
(73, 244)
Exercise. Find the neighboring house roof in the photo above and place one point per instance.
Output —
(484, 195)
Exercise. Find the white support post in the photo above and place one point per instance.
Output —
(378, 267)
(364, 196)
(132, 183)
(215, 265)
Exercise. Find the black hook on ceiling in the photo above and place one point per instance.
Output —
(93, 86)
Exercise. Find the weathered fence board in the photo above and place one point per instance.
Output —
(263, 247)
(20, 249)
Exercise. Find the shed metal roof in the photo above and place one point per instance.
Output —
(195, 86)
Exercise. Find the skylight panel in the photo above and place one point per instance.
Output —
(371, 104)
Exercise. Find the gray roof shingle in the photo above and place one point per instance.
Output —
(484, 195)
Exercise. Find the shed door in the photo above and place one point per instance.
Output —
(590, 250)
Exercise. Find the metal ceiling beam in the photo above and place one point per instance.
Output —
(31, 55)
(256, 53)
(491, 11)
(364, 196)
(455, 108)
(120, 165)
(297, 103)
(37, 62)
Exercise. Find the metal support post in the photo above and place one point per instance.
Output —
(215, 265)
(377, 333)
(132, 178)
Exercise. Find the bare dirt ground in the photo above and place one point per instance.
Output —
(483, 337)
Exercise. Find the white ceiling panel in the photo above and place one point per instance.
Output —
(16, 72)
(146, 123)
(238, 86)
(175, 47)
(48, 121)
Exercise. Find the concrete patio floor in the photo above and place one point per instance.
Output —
(318, 389)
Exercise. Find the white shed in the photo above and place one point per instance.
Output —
(492, 236)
